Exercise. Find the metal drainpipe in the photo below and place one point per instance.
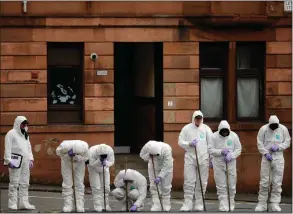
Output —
(24, 4)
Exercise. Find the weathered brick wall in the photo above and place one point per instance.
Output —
(23, 64)
(279, 87)
(23, 81)
(99, 90)
(181, 87)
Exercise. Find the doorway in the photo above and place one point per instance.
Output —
(138, 95)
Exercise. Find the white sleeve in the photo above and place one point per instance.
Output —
(118, 182)
(182, 142)
(110, 159)
(167, 164)
(63, 148)
(31, 157)
(85, 155)
(211, 147)
(237, 147)
(80, 147)
(7, 152)
(94, 158)
(142, 191)
(287, 139)
(144, 153)
(260, 141)
(209, 134)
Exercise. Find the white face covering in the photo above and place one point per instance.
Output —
(26, 128)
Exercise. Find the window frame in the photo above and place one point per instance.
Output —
(214, 72)
(257, 72)
(66, 107)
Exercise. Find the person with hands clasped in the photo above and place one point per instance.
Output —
(225, 148)
(76, 151)
(136, 189)
(272, 140)
(160, 171)
(19, 158)
(100, 157)
(195, 135)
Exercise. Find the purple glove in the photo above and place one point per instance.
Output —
(133, 208)
(31, 164)
(157, 180)
(228, 157)
(211, 164)
(70, 153)
(224, 151)
(103, 162)
(268, 157)
(11, 166)
(194, 143)
(274, 148)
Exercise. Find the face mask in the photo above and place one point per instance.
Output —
(103, 157)
(26, 128)
(274, 126)
(224, 132)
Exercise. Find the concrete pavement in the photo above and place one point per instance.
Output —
(175, 194)
(52, 202)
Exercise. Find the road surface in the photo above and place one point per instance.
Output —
(51, 202)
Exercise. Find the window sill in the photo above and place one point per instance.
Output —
(237, 126)
(64, 128)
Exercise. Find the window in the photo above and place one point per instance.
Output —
(213, 62)
(250, 63)
(65, 97)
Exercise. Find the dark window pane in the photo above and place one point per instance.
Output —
(213, 55)
(250, 56)
(65, 62)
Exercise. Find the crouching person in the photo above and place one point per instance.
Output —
(136, 186)
(73, 154)
(100, 157)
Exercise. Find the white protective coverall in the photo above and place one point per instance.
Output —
(137, 189)
(80, 148)
(163, 163)
(96, 175)
(203, 134)
(16, 143)
(265, 139)
(232, 143)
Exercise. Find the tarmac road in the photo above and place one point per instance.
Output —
(51, 202)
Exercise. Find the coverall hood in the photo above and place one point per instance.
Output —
(195, 114)
(17, 122)
(273, 119)
(224, 125)
(103, 149)
(155, 148)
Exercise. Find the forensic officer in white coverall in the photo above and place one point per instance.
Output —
(225, 148)
(272, 140)
(19, 158)
(76, 151)
(161, 154)
(100, 156)
(195, 135)
(136, 189)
